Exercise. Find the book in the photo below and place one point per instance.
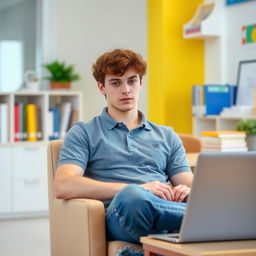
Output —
(198, 102)
(39, 134)
(22, 126)
(66, 109)
(243, 149)
(222, 140)
(31, 122)
(16, 122)
(50, 129)
(224, 134)
(73, 118)
(218, 97)
(3, 123)
(224, 146)
(55, 122)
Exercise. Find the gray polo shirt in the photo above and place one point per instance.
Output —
(108, 151)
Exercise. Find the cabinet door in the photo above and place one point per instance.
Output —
(30, 179)
(5, 180)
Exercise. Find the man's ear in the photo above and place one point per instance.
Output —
(101, 88)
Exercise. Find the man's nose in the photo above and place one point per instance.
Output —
(125, 88)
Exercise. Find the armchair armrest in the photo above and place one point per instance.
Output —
(83, 217)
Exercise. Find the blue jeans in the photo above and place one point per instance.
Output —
(136, 212)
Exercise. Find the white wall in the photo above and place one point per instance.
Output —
(79, 31)
(222, 55)
(237, 16)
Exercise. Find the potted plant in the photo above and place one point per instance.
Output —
(60, 74)
(248, 126)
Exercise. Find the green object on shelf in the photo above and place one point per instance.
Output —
(61, 72)
(247, 125)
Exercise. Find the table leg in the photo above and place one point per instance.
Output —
(149, 253)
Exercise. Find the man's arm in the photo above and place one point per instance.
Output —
(182, 183)
(70, 183)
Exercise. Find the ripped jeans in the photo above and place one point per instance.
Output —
(136, 212)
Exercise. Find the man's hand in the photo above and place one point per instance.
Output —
(160, 189)
(181, 193)
(165, 191)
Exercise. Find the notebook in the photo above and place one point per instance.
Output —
(222, 202)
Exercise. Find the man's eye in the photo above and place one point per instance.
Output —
(133, 81)
(115, 83)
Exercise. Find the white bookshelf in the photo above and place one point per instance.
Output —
(216, 123)
(23, 172)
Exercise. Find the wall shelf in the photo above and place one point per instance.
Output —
(206, 22)
(216, 123)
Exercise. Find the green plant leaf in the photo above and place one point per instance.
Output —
(60, 72)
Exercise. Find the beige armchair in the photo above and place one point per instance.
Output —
(77, 226)
(192, 144)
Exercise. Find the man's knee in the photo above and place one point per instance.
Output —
(132, 195)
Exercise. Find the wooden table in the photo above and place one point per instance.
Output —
(153, 247)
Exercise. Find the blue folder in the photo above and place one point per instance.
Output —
(217, 97)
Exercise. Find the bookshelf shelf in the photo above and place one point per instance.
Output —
(206, 22)
(23, 183)
(216, 123)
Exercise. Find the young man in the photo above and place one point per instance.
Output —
(124, 160)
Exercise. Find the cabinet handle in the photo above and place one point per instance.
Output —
(32, 148)
(31, 181)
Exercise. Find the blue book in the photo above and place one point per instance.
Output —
(217, 97)
(56, 123)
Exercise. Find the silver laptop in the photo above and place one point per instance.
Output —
(222, 202)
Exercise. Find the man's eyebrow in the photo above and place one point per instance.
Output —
(135, 76)
(114, 79)
(118, 79)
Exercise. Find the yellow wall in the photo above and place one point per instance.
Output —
(174, 64)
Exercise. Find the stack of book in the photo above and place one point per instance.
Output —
(224, 141)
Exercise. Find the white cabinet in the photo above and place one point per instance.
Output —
(29, 178)
(5, 180)
(23, 163)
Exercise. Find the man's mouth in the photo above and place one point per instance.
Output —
(126, 99)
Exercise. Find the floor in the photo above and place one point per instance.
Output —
(28, 237)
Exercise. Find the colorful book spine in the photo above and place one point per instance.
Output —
(55, 122)
(16, 122)
(66, 109)
(31, 122)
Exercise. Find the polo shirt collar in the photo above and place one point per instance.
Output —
(112, 123)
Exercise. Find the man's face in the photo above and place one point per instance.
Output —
(122, 92)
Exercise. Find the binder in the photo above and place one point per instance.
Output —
(217, 97)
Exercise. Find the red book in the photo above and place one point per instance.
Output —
(16, 122)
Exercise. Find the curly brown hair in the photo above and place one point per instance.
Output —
(117, 62)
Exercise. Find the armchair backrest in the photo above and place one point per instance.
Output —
(192, 144)
(53, 152)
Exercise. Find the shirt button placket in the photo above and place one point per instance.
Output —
(130, 141)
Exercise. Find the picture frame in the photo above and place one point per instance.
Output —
(246, 83)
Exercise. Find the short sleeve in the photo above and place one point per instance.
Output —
(177, 161)
(75, 148)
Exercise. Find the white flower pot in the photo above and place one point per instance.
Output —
(251, 142)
